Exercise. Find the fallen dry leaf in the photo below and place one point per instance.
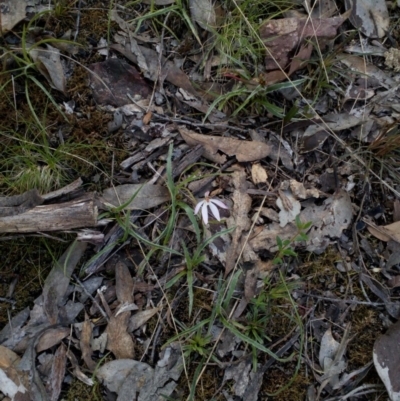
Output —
(48, 62)
(126, 376)
(57, 374)
(14, 11)
(366, 69)
(282, 36)
(119, 341)
(289, 207)
(386, 356)
(202, 11)
(11, 12)
(84, 343)
(141, 197)
(114, 79)
(140, 318)
(240, 220)
(385, 233)
(13, 382)
(58, 280)
(328, 222)
(169, 70)
(245, 151)
(371, 17)
(51, 337)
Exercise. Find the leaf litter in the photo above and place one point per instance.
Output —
(274, 180)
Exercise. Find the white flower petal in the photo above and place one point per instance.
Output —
(219, 203)
(214, 211)
(198, 206)
(204, 213)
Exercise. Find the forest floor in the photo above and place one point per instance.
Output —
(199, 201)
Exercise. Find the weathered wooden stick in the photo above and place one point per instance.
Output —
(78, 213)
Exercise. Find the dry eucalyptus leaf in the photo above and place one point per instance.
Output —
(84, 343)
(140, 318)
(58, 280)
(169, 71)
(328, 222)
(328, 350)
(11, 12)
(114, 373)
(385, 233)
(48, 62)
(144, 196)
(282, 36)
(245, 151)
(370, 16)
(239, 219)
(367, 70)
(13, 383)
(386, 356)
(57, 374)
(119, 341)
(289, 207)
(202, 11)
(215, 116)
(51, 337)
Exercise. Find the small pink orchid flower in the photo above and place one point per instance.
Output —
(212, 203)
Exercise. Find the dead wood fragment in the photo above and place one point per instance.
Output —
(78, 213)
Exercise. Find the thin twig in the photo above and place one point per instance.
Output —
(101, 310)
(347, 301)
(78, 20)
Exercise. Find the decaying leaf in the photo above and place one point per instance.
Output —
(57, 281)
(85, 341)
(240, 374)
(289, 207)
(328, 350)
(141, 197)
(370, 16)
(48, 62)
(170, 72)
(119, 341)
(115, 82)
(57, 374)
(11, 12)
(14, 11)
(127, 376)
(386, 356)
(328, 222)
(13, 382)
(197, 103)
(366, 69)
(203, 13)
(240, 220)
(282, 36)
(245, 151)
(140, 318)
(385, 233)
(51, 337)
(331, 358)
